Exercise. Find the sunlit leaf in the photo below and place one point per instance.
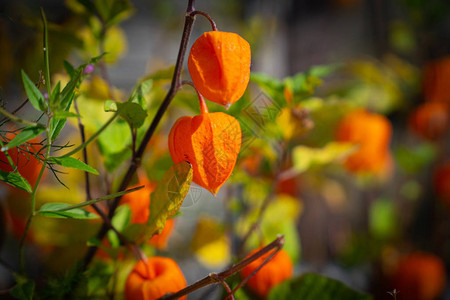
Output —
(165, 201)
(305, 158)
(313, 287)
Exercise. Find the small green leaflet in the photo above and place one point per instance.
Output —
(25, 135)
(312, 287)
(71, 162)
(15, 180)
(24, 289)
(65, 114)
(132, 112)
(34, 95)
(57, 210)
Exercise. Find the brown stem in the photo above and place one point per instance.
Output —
(203, 106)
(213, 277)
(213, 24)
(174, 87)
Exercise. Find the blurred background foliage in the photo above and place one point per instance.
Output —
(313, 64)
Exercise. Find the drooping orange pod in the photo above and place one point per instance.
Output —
(274, 272)
(211, 143)
(219, 64)
(420, 276)
(372, 132)
(430, 120)
(139, 202)
(153, 279)
(436, 80)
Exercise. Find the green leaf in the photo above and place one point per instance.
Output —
(133, 113)
(65, 114)
(414, 159)
(313, 287)
(16, 180)
(25, 135)
(56, 210)
(56, 93)
(34, 95)
(305, 158)
(69, 68)
(382, 218)
(110, 106)
(165, 201)
(71, 162)
(24, 289)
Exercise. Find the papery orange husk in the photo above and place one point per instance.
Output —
(436, 80)
(274, 272)
(219, 64)
(139, 202)
(420, 276)
(372, 133)
(153, 279)
(160, 240)
(430, 120)
(211, 143)
(27, 165)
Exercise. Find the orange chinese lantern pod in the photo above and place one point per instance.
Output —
(219, 64)
(153, 279)
(27, 165)
(442, 183)
(160, 240)
(274, 272)
(436, 80)
(211, 143)
(139, 202)
(372, 132)
(430, 120)
(420, 276)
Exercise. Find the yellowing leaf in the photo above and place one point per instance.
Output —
(165, 201)
(210, 244)
(305, 157)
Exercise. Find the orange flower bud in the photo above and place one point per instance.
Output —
(211, 143)
(153, 279)
(442, 183)
(372, 132)
(274, 272)
(430, 120)
(219, 64)
(436, 80)
(27, 165)
(420, 276)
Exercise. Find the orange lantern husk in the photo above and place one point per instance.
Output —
(219, 64)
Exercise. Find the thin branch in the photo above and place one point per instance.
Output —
(212, 278)
(16, 118)
(174, 87)
(213, 24)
